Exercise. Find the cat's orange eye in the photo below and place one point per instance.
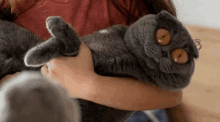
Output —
(163, 36)
(179, 56)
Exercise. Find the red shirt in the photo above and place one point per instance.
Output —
(85, 16)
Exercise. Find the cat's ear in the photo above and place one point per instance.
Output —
(43, 53)
(165, 14)
(196, 53)
(194, 50)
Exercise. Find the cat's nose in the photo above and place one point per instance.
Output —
(164, 54)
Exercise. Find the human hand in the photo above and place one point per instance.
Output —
(8, 77)
(74, 73)
(18, 6)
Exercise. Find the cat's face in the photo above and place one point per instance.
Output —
(167, 42)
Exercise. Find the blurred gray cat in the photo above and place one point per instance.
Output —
(140, 51)
(30, 97)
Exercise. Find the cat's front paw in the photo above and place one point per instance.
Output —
(56, 26)
(43, 53)
(64, 33)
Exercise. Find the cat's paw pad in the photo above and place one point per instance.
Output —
(56, 26)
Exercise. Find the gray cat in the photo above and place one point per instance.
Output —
(30, 97)
(156, 49)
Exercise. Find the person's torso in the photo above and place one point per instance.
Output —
(85, 16)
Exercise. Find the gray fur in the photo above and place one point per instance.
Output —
(123, 51)
(29, 97)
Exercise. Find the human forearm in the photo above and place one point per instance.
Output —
(131, 94)
(78, 76)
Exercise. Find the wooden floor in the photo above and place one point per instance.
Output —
(202, 98)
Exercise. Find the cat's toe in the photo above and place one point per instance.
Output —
(54, 20)
(55, 25)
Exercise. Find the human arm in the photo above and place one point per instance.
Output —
(131, 94)
(198, 103)
(123, 93)
(8, 77)
(116, 92)
(78, 76)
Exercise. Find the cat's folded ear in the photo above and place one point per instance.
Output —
(165, 14)
(195, 51)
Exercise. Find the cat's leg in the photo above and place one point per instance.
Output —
(64, 41)
(65, 33)
(42, 53)
(123, 66)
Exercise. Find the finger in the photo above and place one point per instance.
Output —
(83, 48)
(5, 78)
(49, 66)
(16, 73)
(52, 68)
(44, 71)
(8, 77)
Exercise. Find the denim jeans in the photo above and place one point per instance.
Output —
(141, 116)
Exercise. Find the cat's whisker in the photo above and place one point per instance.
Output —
(172, 76)
(157, 60)
(167, 68)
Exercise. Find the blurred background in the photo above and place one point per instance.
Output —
(199, 12)
(201, 100)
